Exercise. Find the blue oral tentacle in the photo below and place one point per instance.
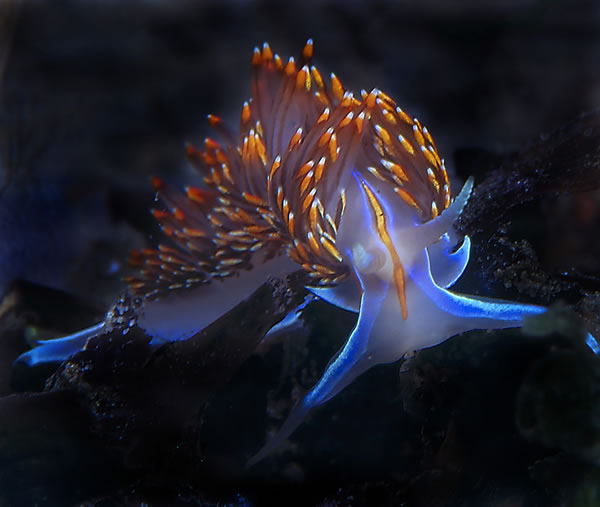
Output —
(496, 313)
(449, 266)
(343, 369)
(346, 366)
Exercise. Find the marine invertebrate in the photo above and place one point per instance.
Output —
(352, 190)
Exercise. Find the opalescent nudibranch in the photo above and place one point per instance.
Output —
(351, 189)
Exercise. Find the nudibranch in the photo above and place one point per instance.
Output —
(350, 189)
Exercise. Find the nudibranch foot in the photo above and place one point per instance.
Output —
(59, 349)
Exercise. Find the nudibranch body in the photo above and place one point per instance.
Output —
(350, 189)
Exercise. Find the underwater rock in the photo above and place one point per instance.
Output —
(567, 160)
(145, 405)
(558, 403)
(44, 439)
(146, 400)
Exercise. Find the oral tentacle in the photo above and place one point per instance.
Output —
(447, 266)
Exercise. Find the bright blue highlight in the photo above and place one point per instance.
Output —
(49, 351)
